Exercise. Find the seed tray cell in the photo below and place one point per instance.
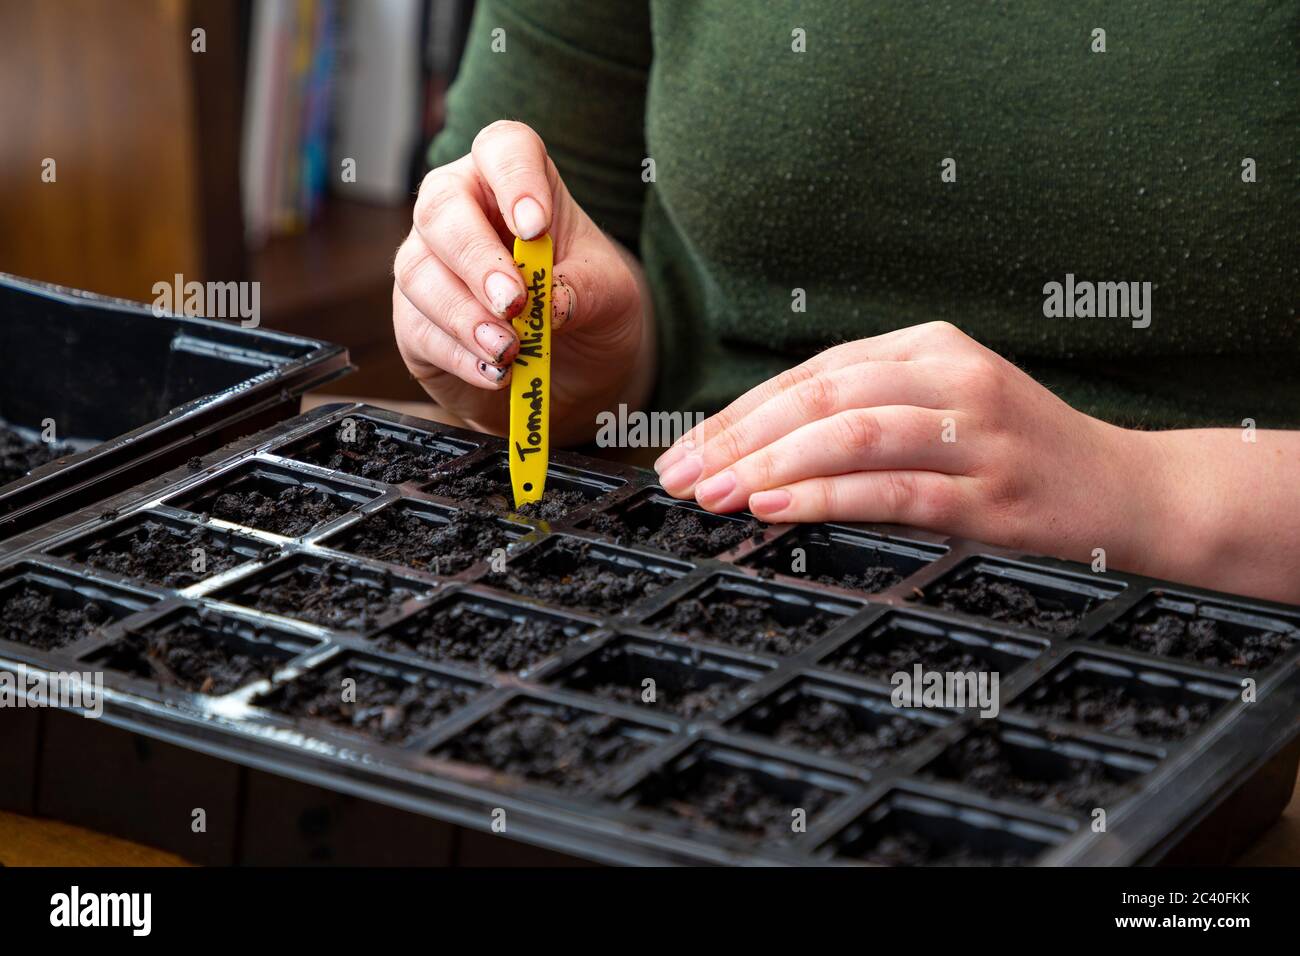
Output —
(50, 609)
(757, 798)
(555, 744)
(274, 499)
(386, 701)
(323, 592)
(426, 537)
(844, 558)
(162, 550)
(487, 485)
(483, 633)
(1012, 594)
(753, 615)
(356, 658)
(198, 651)
(654, 520)
(680, 680)
(1203, 632)
(1127, 701)
(367, 448)
(900, 641)
(1053, 772)
(571, 572)
(838, 721)
(905, 829)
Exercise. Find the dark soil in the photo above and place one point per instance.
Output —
(747, 623)
(904, 846)
(1000, 600)
(683, 532)
(736, 801)
(18, 456)
(690, 698)
(458, 632)
(403, 537)
(890, 652)
(188, 657)
(871, 579)
(30, 615)
(291, 512)
(374, 456)
(1115, 710)
(562, 746)
(329, 597)
(387, 708)
(491, 488)
(1200, 639)
(982, 762)
(828, 728)
(160, 554)
(564, 575)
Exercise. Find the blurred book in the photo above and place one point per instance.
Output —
(377, 117)
(342, 97)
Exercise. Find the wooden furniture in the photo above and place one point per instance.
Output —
(144, 135)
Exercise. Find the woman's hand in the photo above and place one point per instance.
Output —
(457, 288)
(926, 427)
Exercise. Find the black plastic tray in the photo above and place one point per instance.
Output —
(132, 394)
(281, 787)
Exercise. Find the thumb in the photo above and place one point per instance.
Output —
(593, 285)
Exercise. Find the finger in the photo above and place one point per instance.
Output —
(451, 221)
(880, 348)
(893, 437)
(512, 160)
(442, 297)
(862, 385)
(922, 499)
(593, 284)
(431, 353)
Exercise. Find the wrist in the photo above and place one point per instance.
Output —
(1174, 521)
(1142, 486)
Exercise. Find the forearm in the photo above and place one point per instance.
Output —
(1226, 510)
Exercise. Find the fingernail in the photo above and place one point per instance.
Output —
(495, 340)
(715, 488)
(561, 304)
(505, 294)
(769, 502)
(530, 221)
(492, 373)
(679, 478)
(673, 454)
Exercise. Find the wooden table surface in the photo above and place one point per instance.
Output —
(30, 841)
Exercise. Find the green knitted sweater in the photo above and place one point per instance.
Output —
(828, 171)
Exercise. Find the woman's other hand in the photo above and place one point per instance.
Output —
(922, 426)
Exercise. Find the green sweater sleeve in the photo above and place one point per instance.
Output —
(575, 71)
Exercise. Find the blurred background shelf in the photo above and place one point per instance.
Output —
(150, 142)
(335, 280)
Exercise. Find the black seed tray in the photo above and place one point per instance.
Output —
(379, 661)
(130, 394)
